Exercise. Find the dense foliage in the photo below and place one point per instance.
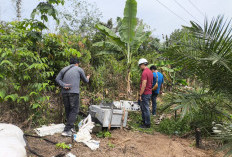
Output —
(196, 62)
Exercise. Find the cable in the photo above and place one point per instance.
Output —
(171, 11)
(197, 8)
(186, 10)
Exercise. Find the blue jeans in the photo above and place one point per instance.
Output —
(145, 109)
(154, 104)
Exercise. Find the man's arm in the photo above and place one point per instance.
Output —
(83, 77)
(59, 79)
(144, 83)
(60, 82)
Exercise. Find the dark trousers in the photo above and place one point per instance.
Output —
(71, 104)
(154, 103)
(145, 109)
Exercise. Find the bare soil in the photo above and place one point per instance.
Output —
(124, 143)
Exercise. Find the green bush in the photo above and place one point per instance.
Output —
(174, 127)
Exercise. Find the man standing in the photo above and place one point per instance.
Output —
(157, 77)
(69, 79)
(145, 92)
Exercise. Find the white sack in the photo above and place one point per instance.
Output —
(12, 143)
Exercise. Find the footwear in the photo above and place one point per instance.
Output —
(67, 133)
(73, 130)
(140, 122)
(145, 126)
(154, 115)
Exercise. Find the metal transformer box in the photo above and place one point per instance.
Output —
(104, 116)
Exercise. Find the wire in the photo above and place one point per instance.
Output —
(186, 10)
(171, 11)
(197, 8)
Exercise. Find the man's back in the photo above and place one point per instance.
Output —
(160, 81)
(147, 75)
(72, 77)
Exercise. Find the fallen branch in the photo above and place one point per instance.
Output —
(29, 148)
(124, 141)
(33, 152)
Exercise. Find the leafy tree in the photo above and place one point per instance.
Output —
(46, 9)
(80, 17)
(25, 73)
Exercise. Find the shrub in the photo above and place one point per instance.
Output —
(174, 127)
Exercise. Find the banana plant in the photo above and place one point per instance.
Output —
(129, 39)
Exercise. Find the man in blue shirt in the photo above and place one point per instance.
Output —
(156, 76)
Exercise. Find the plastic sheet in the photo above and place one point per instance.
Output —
(83, 135)
(50, 130)
(12, 143)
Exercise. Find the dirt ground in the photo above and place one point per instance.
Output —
(124, 143)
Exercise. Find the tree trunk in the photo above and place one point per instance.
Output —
(128, 84)
(128, 71)
(18, 9)
(198, 137)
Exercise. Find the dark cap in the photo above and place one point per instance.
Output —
(74, 60)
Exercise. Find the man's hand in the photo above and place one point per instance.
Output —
(139, 97)
(67, 86)
(142, 89)
(88, 77)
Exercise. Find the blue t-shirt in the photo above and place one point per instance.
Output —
(160, 81)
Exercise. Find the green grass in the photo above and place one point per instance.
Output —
(104, 134)
(63, 145)
(134, 120)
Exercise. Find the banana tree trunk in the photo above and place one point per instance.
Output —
(128, 83)
(128, 53)
(128, 71)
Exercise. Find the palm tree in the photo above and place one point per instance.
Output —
(205, 52)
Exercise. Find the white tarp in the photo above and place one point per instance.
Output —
(12, 143)
(50, 130)
(84, 136)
